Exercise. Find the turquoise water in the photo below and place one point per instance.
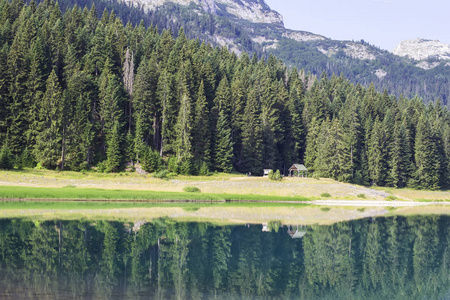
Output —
(391, 258)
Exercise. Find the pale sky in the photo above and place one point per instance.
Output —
(383, 23)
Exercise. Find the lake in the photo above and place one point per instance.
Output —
(376, 258)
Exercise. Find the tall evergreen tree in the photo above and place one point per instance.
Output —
(49, 137)
(184, 122)
(377, 154)
(166, 98)
(428, 164)
(224, 144)
(111, 97)
(201, 132)
(252, 146)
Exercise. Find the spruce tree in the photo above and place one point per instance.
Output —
(82, 94)
(111, 99)
(252, 146)
(6, 158)
(298, 132)
(400, 158)
(184, 124)
(49, 132)
(377, 160)
(224, 144)
(427, 157)
(143, 106)
(312, 145)
(201, 130)
(166, 98)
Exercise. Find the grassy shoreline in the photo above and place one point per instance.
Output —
(18, 193)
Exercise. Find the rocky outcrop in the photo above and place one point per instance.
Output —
(359, 51)
(255, 11)
(421, 49)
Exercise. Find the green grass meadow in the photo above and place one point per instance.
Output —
(71, 193)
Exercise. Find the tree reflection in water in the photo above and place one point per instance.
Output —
(398, 257)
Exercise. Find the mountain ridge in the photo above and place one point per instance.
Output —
(213, 21)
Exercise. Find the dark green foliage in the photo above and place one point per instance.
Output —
(78, 92)
(50, 125)
(393, 258)
(6, 158)
(276, 176)
(224, 144)
(27, 159)
(150, 160)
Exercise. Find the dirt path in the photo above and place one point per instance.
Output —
(372, 203)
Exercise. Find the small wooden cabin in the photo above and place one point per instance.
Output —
(296, 233)
(298, 170)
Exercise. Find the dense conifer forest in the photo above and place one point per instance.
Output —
(393, 258)
(78, 92)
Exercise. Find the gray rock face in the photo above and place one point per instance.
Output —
(256, 11)
(421, 49)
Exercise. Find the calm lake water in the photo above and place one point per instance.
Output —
(383, 258)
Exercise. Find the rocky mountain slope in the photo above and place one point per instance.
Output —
(421, 49)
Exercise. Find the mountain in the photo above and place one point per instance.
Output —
(252, 26)
(428, 53)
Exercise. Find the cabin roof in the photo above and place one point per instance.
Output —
(298, 234)
(298, 167)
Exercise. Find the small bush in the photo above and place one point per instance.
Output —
(325, 195)
(161, 174)
(361, 209)
(275, 175)
(363, 196)
(325, 209)
(191, 189)
(39, 166)
(391, 198)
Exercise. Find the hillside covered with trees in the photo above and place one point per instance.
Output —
(77, 91)
(315, 54)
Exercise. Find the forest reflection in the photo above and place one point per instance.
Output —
(395, 258)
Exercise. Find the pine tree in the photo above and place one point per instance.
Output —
(18, 68)
(143, 105)
(224, 144)
(351, 134)
(184, 123)
(82, 94)
(49, 132)
(166, 97)
(428, 163)
(252, 146)
(298, 134)
(400, 158)
(113, 150)
(6, 158)
(377, 154)
(201, 133)
(312, 145)
(4, 93)
(111, 98)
